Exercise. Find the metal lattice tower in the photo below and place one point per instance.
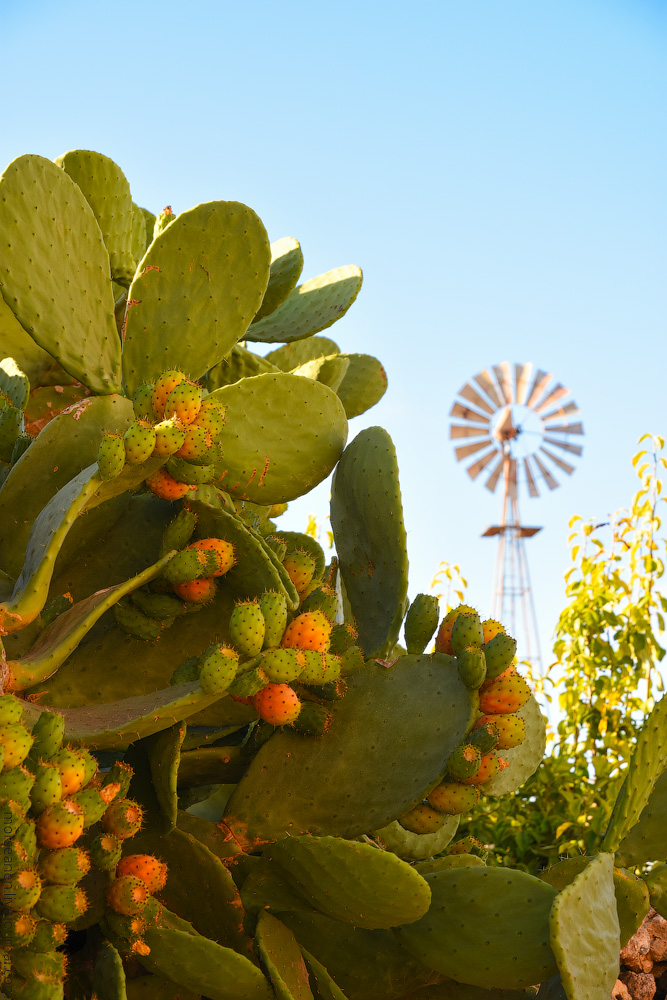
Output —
(517, 416)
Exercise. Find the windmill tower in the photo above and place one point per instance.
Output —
(509, 419)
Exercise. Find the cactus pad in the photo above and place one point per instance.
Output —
(311, 307)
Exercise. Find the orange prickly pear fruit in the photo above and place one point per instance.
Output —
(491, 629)
(225, 550)
(151, 871)
(123, 818)
(161, 390)
(164, 486)
(127, 894)
(511, 729)
(183, 402)
(309, 630)
(443, 640)
(200, 591)
(503, 695)
(422, 819)
(60, 825)
(211, 417)
(489, 767)
(197, 442)
(72, 768)
(277, 703)
(300, 568)
(453, 798)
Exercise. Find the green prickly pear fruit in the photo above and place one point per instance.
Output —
(332, 668)
(183, 402)
(443, 640)
(139, 441)
(48, 936)
(128, 895)
(218, 669)
(118, 777)
(169, 437)
(123, 818)
(511, 729)
(44, 968)
(105, 851)
(466, 632)
(309, 630)
(14, 857)
(60, 825)
(191, 473)
(111, 456)
(343, 637)
(472, 667)
(196, 591)
(313, 666)
(464, 762)
(16, 784)
(22, 890)
(186, 672)
(247, 627)
(499, 652)
(89, 763)
(72, 768)
(64, 866)
(211, 417)
(161, 390)
(196, 444)
(323, 598)
(218, 547)
(313, 719)
(192, 564)
(178, 532)
(94, 802)
(489, 767)
(484, 736)
(352, 661)
(277, 703)
(281, 665)
(17, 929)
(25, 838)
(142, 402)
(466, 845)
(490, 629)
(12, 815)
(300, 568)
(422, 819)
(247, 684)
(453, 798)
(62, 904)
(274, 610)
(134, 622)
(162, 607)
(151, 871)
(421, 622)
(16, 742)
(503, 695)
(47, 734)
(11, 709)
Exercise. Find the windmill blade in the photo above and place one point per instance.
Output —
(574, 449)
(485, 382)
(566, 428)
(522, 375)
(492, 481)
(511, 479)
(481, 463)
(465, 413)
(540, 383)
(504, 377)
(556, 393)
(532, 485)
(474, 397)
(470, 449)
(456, 431)
(548, 478)
(568, 469)
(561, 411)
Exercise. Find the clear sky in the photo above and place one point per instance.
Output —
(497, 169)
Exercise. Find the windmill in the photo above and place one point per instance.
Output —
(516, 424)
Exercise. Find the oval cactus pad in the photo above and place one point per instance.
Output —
(312, 306)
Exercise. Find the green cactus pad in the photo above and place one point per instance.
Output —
(286, 267)
(211, 765)
(20, 346)
(291, 356)
(386, 747)
(203, 966)
(155, 761)
(66, 446)
(364, 384)
(656, 884)
(60, 639)
(14, 382)
(647, 763)
(486, 926)
(448, 862)
(267, 888)
(353, 882)
(282, 960)
(200, 284)
(632, 898)
(329, 371)
(416, 846)
(107, 191)
(55, 271)
(647, 839)
(320, 980)
(367, 522)
(239, 363)
(311, 307)
(450, 990)
(108, 974)
(584, 929)
(274, 461)
(524, 759)
(157, 988)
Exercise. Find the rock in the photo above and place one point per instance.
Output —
(620, 991)
(636, 952)
(657, 930)
(640, 985)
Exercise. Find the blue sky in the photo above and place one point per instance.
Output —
(496, 168)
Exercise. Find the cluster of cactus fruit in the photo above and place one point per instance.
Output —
(187, 681)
